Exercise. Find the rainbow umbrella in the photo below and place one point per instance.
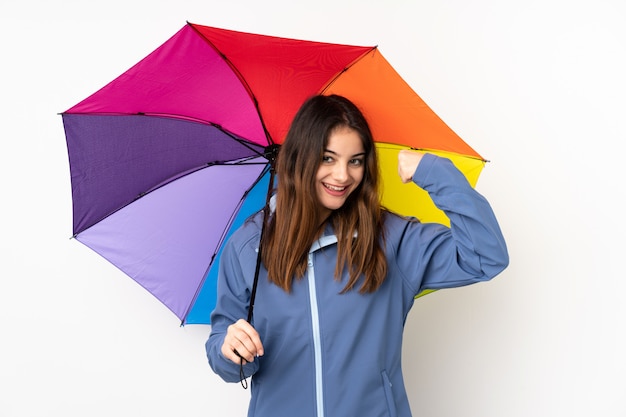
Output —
(171, 156)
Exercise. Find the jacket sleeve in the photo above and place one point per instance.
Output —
(233, 294)
(471, 250)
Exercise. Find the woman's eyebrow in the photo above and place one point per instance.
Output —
(353, 156)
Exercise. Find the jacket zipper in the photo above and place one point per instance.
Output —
(319, 393)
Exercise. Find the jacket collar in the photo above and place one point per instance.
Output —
(328, 238)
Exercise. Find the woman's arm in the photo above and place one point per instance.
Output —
(472, 249)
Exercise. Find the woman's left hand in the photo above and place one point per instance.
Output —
(407, 164)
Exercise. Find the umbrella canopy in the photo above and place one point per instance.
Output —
(171, 156)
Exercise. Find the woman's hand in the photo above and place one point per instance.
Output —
(407, 164)
(242, 341)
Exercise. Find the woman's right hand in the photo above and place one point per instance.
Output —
(242, 341)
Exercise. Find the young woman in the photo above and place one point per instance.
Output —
(339, 273)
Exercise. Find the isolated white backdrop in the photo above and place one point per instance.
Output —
(536, 86)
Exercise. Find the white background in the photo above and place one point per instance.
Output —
(536, 86)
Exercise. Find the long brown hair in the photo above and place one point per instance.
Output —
(295, 224)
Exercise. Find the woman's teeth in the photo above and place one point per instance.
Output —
(333, 188)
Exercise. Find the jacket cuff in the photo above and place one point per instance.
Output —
(420, 176)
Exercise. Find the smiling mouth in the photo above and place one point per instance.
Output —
(334, 188)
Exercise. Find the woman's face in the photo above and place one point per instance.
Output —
(341, 169)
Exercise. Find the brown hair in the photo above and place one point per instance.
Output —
(296, 224)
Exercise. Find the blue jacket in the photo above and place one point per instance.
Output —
(339, 355)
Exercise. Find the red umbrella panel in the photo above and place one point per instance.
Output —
(171, 156)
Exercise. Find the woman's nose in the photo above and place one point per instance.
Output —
(340, 172)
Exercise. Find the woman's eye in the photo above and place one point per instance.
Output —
(327, 158)
(356, 162)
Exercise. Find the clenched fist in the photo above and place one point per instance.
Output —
(407, 164)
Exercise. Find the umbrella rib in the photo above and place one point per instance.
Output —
(241, 79)
(347, 67)
(387, 145)
(241, 141)
(244, 161)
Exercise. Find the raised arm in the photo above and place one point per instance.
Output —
(472, 249)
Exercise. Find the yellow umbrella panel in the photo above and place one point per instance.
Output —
(410, 200)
